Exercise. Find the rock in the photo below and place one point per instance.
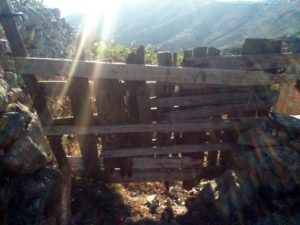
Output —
(11, 79)
(167, 214)
(272, 168)
(257, 136)
(261, 46)
(296, 47)
(295, 145)
(234, 193)
(152, 203)
(278, 219)
(3, 47)
(3, 95)
(17, 95)
(12, 127)
(35, 131)
(204, 198)
(25, 156)
(173, 191)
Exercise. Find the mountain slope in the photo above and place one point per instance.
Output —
(183, 24)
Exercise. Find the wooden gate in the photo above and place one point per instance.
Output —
(152, 123)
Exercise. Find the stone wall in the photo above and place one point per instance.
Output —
(45, 33)
(29, 176)
(263, 186)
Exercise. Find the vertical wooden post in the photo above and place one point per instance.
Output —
(81, 108)
(138, 102)
(164, 59)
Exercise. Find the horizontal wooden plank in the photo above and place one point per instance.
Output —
(167, 163)
(64, 67)
(195, 126)
(215, 99)
(207, 111)
(152, 175)
(142, 163)
(165, 150)
(268, 62)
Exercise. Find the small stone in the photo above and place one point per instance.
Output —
(173, 191)
(152, 203)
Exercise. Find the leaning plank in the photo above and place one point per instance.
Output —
(64, 67)
(214, 99)
(166, 150)
(270, 62)
(204, 125)
(201, 112)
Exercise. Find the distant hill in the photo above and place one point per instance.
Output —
(184, 24)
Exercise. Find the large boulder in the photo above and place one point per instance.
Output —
(25, 157)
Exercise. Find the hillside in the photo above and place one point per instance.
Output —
(184, 24)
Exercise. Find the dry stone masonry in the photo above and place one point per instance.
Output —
(45, 33)
(28, 172)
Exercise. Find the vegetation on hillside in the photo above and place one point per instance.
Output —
(115, 52)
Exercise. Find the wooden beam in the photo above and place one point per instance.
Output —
(152, 175)
(166, 150)
(211, 110)
(215, 99)
(247, 62)
(165, 163)
(64, 67)
(196, 126)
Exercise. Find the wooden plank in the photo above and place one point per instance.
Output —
(111, 110)
(166, 150)
(213, 99)
(137, 102)
(65, 67)
(163, 59)
(152, 175)
(165, 162)
(207, 111)
(196, 126)
(247, 62)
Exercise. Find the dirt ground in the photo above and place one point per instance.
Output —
(132, 203)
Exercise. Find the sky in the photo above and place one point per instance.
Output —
(68, 7)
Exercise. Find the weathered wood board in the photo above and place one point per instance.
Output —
(88, 69)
